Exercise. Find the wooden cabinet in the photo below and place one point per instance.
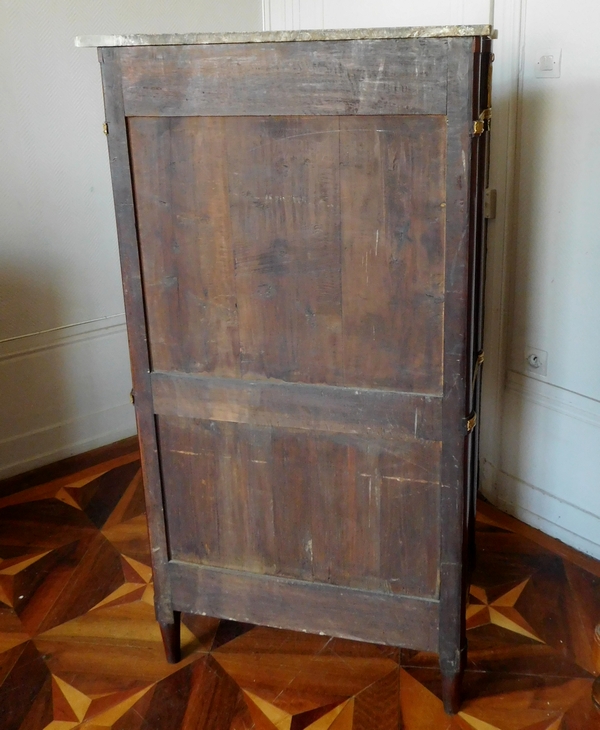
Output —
(301, 231)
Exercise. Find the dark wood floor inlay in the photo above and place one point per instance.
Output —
(79, 646)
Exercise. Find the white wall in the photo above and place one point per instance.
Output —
(540, 447)
(550, 465)
(304, 14)
(64, 369)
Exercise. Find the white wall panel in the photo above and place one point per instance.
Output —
(304, 14)
(550, 457)
(359, 14)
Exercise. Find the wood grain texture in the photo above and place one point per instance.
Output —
(136, 318)
(392, 177)
(292, 248)
(285, 211)
(373, 413)
(344, 510)
(533, 608)
(244, 597)
(323, 78)
(185, 243)
(311, 302)
(452, 648)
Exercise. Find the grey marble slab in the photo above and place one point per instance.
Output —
(280, 36)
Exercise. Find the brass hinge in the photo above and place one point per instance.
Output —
(105, 127)
(132, 396)
(478, 364)
(471, 422)
(489, 204)
(481, 124)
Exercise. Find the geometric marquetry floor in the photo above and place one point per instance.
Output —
(79, 647)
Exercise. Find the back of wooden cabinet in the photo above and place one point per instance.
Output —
(293, 270)
(298, 230)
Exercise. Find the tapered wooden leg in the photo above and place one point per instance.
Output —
(453, 669)
(451, 692)
(171, 636)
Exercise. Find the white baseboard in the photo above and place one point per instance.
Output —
(560, 400)
(38, 448)
(63, 391)
(547, 513)
(549, 472)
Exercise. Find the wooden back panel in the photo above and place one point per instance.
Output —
(297, 258)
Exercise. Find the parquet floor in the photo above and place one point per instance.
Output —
(79, 647)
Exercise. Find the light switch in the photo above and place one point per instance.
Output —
(548, 64)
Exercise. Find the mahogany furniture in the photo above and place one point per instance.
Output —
(301, 230)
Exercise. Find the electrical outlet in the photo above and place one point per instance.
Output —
(536, 361)
(547, 65)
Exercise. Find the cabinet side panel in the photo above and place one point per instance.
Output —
(136, 323)
(181, 198)
(453, 587)
(392, 178)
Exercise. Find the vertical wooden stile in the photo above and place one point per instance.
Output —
(452, 638)
(136, 325)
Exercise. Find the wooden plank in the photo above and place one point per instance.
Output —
(136, 323)
(369, 412)
(452, 648)
(181, 199)
(219, 493)
(309, 607)
(292, 489)
(393, 213)
(190, 487)
(333, 521)
(337, 509)
(258, 481)
(410, 535)
(284, 201)
(405, 76)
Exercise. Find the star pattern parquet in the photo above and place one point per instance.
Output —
(79, 647)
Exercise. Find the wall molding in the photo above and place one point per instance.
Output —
(548, 513)
(508, 17)
(543, 419)
(63, 336)
(42, 446)
(70, 392)
(566, 402)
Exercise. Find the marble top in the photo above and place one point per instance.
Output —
(279, 36)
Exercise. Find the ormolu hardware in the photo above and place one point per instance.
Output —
(471, 422)
(489, 204)
(478, 364)
(479, 125)
(105, 127)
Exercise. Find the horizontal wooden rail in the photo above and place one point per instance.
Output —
(316, 608)
(372, 413)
